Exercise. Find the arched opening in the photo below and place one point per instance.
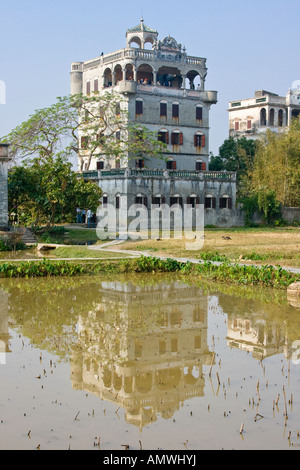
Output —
(135, 42)
(128, 72)
(272, 117)
(263, 117)
(145, 74)
(280, 118)
(118, 74)
(194, 80)
(107, 77)
(169, 76)
(149, 42)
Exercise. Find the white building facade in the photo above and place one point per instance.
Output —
(251, 117)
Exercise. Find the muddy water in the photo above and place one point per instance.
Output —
(152, 362)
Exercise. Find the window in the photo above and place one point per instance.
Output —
(193, 200)
(272, 117)
(249, 124)
(118, 109)
(171, 165)
(237, 125)
(225, 202)
(263, 117)
(88, 87)
(140, 199)
(118, 163)
(210, 202)
(200, 166)
(105, 200)
(158, 200)
(176, 200)
(140, 163)
(117, 202)
(139, 107)
(177, 138)
(199, 140)
(96, 85)
(199, 113)
(280, 118)
(163, 109)
(175, 110)
(100, 165)
(118, 136)
(163, 136)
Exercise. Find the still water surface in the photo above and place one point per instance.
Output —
(149, 361)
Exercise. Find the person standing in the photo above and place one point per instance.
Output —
(89, 217)
(78, 212)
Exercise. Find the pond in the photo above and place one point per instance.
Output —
(147, 361)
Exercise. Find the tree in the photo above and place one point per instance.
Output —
(235, 154)
(49, 191)
(85, 126)
(277, 165)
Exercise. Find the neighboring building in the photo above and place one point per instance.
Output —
(251, 117)
(164, 90)
(4, 161)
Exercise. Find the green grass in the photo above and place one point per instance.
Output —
(264, 276)
(82, 252)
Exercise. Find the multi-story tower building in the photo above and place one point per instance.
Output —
(164, 90)
(251, 117)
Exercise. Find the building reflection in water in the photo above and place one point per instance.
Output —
(144, 348)
(142, 345)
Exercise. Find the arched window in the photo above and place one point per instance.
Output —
(138, 107)
(193, 199)
(280, 118)
(163, 136)
(263, 117)
(200, 165)
(171, 164)
(272, 117)
(163, 109)
(177, 138)
(225, 202)
(88, 87)
(199, 112)
(199, 139)
(209, 202)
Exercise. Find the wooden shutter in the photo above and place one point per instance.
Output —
(100, 165)
(203, 141)
(195, 140)
(88, 88)
(181, 138)
(203, 166)
(96, 87)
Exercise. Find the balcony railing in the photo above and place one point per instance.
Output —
(159, 173)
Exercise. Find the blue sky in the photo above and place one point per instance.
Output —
(248, 45)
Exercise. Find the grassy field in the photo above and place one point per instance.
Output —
(251, 245)
(82, 252)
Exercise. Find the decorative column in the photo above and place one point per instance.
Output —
(4, 162)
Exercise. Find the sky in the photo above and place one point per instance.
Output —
(248, 46)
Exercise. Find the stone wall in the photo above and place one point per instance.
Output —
(167, 187)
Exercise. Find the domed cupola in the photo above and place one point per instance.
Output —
(140, 35)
